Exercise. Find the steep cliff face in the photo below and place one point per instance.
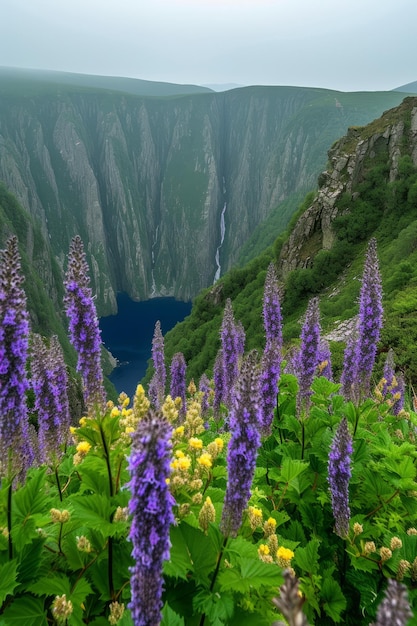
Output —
(393, 135)
(145, 181)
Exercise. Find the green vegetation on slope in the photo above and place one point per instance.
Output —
(377, 207)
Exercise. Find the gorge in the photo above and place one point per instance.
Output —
(144, 180)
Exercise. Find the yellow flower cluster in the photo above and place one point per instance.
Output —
(207, 514)
(60, 517)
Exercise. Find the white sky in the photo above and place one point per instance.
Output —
(350, 45)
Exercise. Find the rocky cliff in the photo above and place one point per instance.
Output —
(392, 136)
(164, 191)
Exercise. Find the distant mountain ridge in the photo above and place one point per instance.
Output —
(135, 86)
(147, 180)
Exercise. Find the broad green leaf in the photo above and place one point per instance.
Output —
(250, 574)
(203, 553)
(25, 611)
(94, 511)
(291, 468)
(30, 498)
(30, 560)
(217, 607)
(170, 618)
(51, 586)
(179, 564)
(8, 582)
(333, 598)
(308, 558)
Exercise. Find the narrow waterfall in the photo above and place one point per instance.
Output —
(222, 233)
(155, 240)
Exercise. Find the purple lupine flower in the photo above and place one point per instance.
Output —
(231, 340)
(388, 372)
(50, 383)
(272, 308)
(370, 318)
(151, 508)
(398, 392)
(241, 338)
(324, 359)
(395, 609)
(338, 475)
(84, 328)
(348, 377)
(269, 377)
(14, 345)
(245, 424)
(219, 383)
(178, 385)
(160, 374)
(204, 387)
(308, 354)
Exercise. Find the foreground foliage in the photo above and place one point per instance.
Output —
(257, 498)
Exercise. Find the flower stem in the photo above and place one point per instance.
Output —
(216, 571)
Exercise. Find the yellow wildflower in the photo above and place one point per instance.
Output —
(205, 460)
(178, 432)
(195, 443)
(255, 517)
(116, 612)
(207, 514)
(114, 412)
(83, 447)
(270, 526)
(83, 422)
(385, 554)
(284, 556)
(61, 608)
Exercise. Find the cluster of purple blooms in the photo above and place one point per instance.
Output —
(247, 386)
(84, 327)
(150, 506)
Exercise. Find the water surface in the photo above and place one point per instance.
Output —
(128, 335)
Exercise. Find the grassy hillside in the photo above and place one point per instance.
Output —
(38, 80)
(384, 209)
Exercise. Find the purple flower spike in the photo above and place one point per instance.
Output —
(272, 308)
(308, 355)
(50, 383)
(231, 340)
(84, 328)
(339, 475)
(324, 359)
(178, 381)
(370, 318)
(204, 387)
(14, 345)
(160, 374)
(270, 372)
(151, 509)
(245, 424)
(350, 367)
(395, 609)
(219, 383)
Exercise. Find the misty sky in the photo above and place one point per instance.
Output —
(348, 45)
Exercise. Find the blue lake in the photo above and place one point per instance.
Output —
(128, 335)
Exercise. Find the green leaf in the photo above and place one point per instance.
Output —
(170, 618)
(250, 574)
(218, 607)
(8, 582)
(203, 552)
(30, 560)
(94, 511)
(179, 564)
(51, 586)
(30, 499)
(25, 611)
(291, 468)
(334, 600)
(308, 558)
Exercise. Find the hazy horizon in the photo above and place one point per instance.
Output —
(347, 47)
